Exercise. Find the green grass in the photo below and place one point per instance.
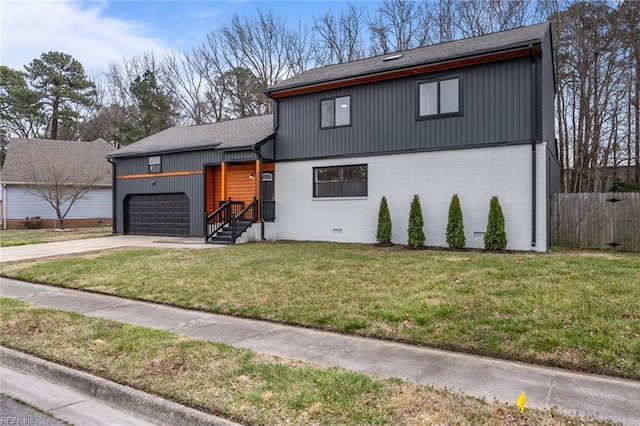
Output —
(239, 384)
(578, 310)
(20, 237)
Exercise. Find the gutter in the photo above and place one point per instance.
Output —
(256, 149)
(534, 128)
(162, 151)
(113, 195)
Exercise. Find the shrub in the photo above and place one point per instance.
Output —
(31, 223)
(623, 186)
(455, 225)
(496, 236)
(383, 235)
(416, 223)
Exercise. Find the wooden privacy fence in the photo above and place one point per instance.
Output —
(596, 220)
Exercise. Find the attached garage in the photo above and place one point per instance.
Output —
(157, 214)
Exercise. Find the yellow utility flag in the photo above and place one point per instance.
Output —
(521, 401)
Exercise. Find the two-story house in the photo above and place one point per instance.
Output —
(473, 117)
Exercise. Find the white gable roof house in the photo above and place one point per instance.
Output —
(34, 168)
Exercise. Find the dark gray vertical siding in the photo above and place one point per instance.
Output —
(244, 155)
(191, 185)
(495, 103)
(171, 162)
(268, 150)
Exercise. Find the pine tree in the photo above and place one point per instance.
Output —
(383, 235)
(64, 86)
(495, 238)
(455, 225)
(416, 223)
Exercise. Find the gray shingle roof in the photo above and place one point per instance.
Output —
(420, 56)
(85, 158)
(243, 132)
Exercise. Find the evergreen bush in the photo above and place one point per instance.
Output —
(455, 225)
(623, 186)
(496, 236)
(383, 235)
(416, 224)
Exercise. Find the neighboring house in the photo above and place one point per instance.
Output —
(66, 163)
(473, 117)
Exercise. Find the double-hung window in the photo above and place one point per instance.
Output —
(335, 112)
(340, 181)
(155, 164)
(439, 97)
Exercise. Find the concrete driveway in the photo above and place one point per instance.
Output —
(34, 251)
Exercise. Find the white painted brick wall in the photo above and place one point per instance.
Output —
(474, 174)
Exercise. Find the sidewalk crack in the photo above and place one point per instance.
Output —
(551, 386)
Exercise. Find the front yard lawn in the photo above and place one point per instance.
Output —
(20, 237)
(578, 310)
(241, 385)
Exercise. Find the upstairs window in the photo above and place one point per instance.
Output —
(335, 112)
(155, 164)
(440, 97)
(340, 181)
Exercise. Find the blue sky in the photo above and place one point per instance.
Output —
(97, 32)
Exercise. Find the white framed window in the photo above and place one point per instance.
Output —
(155, 164)
(439, 97)
(335, 112)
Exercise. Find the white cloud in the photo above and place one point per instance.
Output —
(30, 28)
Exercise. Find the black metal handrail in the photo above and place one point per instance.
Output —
(219, 218)
(244, 219)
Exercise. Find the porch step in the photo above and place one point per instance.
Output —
(225, 235)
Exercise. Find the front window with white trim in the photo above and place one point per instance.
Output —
(155, 164)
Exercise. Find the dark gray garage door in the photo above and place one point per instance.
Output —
(157, 214)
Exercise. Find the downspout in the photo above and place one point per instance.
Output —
(276, 124)
(113, 195)
(256, 150)
(204, 201)
(534, 128)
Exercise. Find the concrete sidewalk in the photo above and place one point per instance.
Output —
(59, 248)
(604, 397)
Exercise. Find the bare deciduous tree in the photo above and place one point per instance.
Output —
(397, 26)
(188, 86)
(341, 36)
(588, 70)
(58, 182)
(439, 19)
(261, 45)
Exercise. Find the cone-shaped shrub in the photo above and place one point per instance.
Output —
(496, 236)
(455, 226)
(416, 223)
(383, 236)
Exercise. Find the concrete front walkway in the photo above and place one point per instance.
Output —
(604, 397)
(58, 248)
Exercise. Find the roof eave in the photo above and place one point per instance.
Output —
(390, 73)
(162, 151)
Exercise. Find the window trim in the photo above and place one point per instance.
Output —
(150, 164)
(439, 114)
(335, 107)
(341, 168)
